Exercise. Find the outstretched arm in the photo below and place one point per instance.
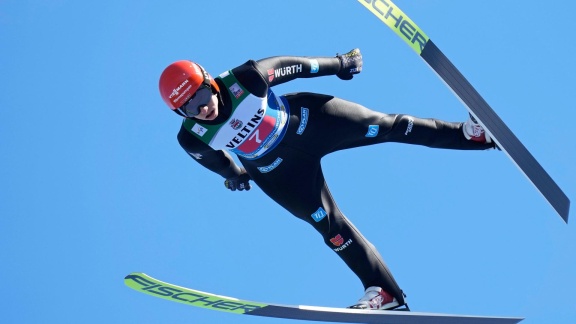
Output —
(281, 69)
(217, 161)
(262, 74)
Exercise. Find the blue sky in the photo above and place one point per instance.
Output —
(95, 186)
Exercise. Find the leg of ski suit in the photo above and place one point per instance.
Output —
(297, 182)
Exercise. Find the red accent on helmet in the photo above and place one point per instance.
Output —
(180, 80)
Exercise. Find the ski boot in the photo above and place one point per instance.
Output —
(376, 298)
(474, 131)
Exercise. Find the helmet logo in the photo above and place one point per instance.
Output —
(236, 124)
(176, 91)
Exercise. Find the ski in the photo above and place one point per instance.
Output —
(415, 37)
(154, 287)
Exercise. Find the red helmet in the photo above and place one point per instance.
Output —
(180, 80)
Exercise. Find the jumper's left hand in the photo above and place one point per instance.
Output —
(240, 182)
(350, 64)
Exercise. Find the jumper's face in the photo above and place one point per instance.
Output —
(209, 111)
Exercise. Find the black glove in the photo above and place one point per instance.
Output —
(240, 182)
(350, 64)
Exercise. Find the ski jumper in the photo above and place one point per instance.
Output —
(280, 141)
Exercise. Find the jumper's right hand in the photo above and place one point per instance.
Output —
(240, 182)
(350, 64)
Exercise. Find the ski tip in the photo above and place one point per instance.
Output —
(135, 276)
(565, 211)
(132, 274)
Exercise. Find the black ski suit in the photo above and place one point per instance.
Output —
(290, 173)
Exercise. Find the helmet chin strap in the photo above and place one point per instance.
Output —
(217, 93)
(179, 113)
